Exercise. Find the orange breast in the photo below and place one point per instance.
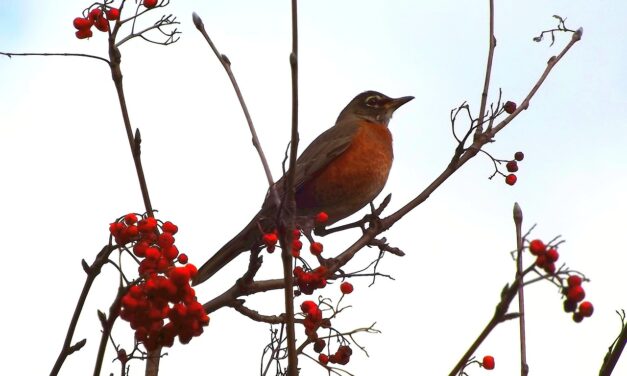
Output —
(353, 179)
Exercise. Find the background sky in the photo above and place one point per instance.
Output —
(67, 172)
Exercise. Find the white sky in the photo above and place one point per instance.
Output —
(68, 172)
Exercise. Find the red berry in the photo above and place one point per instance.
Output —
(574, 280)
(346, 287)
(84, 33)
(519, 156)
(552, 255)
(308, 306)
(81, 23)
(541, 261)
(488, 362)
(319, 345)
(297, 245)
(323, 358)
(586, 309)
(549, 268)
(95, 14)
(270, 239)
(576, 293)
(570, 305)
(165, 240)
(577, 317)
(147, 225)
(316, 248)
(192, 269)
(113, 14)
(170, 227)
(537, 247)
(512, 166)
(150, 3)
(130, 219)
(183, 258)
(101, 24)
(511, 179)
(321, 218)
(509, 107)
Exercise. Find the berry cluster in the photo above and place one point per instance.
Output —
(574, 294)
(342, 356)
(512, 166)
(307, 282)
(546, 258)
(313, 320)
(98, 17)
(488, 362)
(164, 291)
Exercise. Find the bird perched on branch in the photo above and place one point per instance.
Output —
(339, 173)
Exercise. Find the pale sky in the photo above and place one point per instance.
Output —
(68, 173)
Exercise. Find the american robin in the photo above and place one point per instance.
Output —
(340, 172)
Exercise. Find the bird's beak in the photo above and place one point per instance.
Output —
(395, 103)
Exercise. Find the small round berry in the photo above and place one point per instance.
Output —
(316, 248)
(81, 23)
(577, 317)
(570, 305)
(586, 309)
(519, 156)
(511, 179)
(512, 166)
(94, 14)
(101, 24)
(321, 218)
(183, 258)
(297, 245)
(113, 14)
(549, 268)
(130, 219)
(509, 107)
(552, 255)
(84, 33)
(488, 362)
(323, 358)
(150, 3)
(270, 239)
(537, 247)
(574, 280)
(319, 345)
(576, 293)
(346, 287)
(308, 306)
(170, 227)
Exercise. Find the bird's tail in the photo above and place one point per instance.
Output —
(240, 243)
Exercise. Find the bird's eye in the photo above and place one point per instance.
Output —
(372, 101)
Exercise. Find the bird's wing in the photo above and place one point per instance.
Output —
(324, 149)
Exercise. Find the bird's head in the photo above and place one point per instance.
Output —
(373, 106)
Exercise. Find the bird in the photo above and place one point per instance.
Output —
(341, 171)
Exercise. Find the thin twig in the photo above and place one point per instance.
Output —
(11, 54)
(488, 72)
(500, 315)
(289, 207)
(518, 218)
(616, 350)
(92, 271)
(226, 63)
